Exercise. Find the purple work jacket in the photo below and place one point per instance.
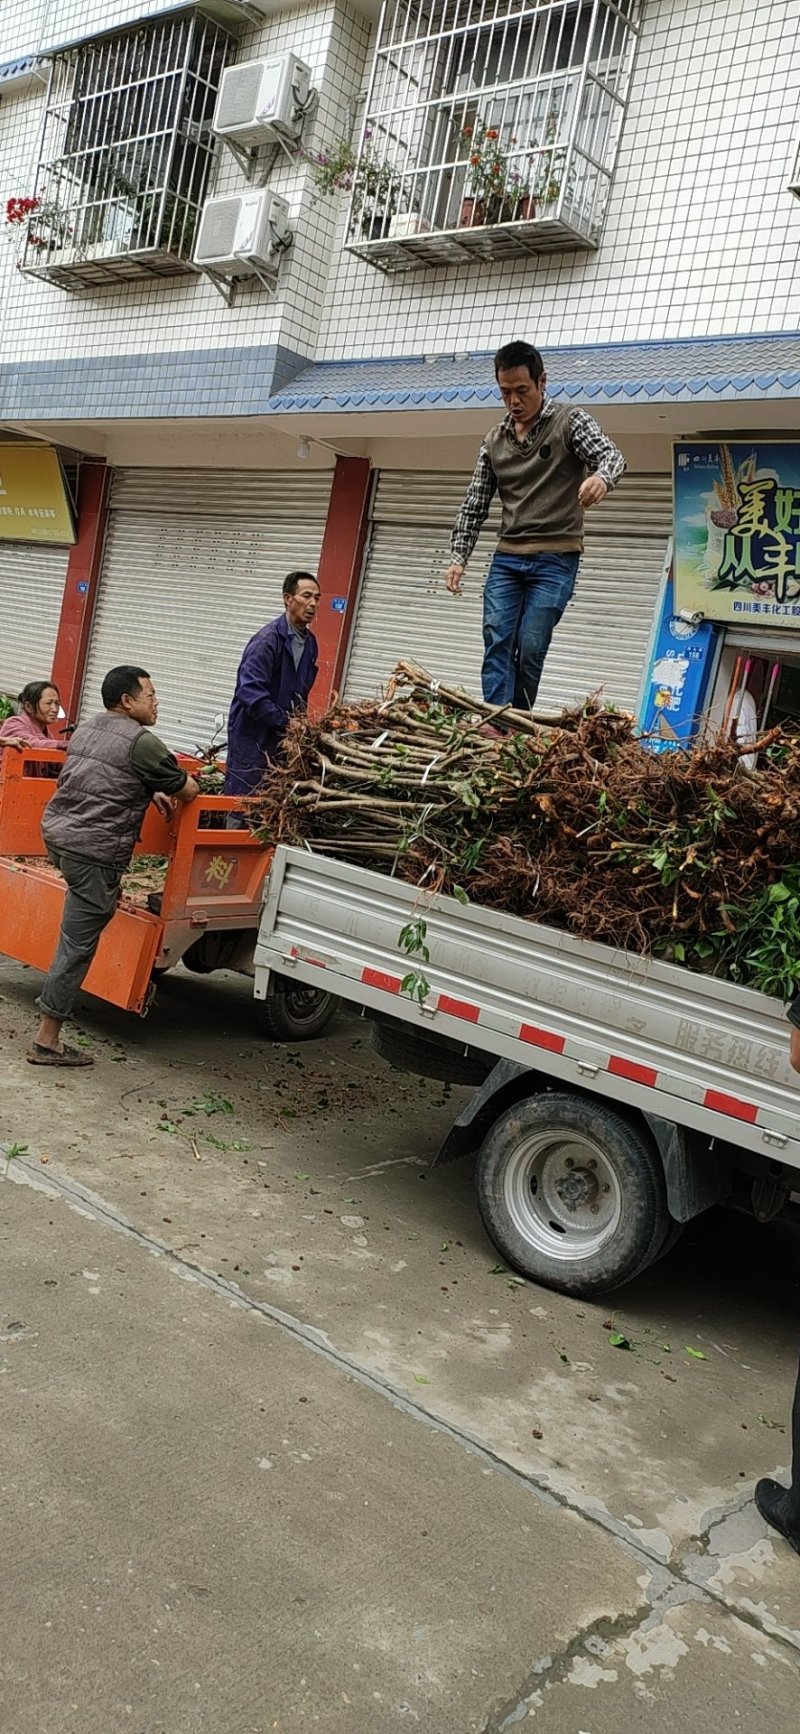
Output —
(268, 689)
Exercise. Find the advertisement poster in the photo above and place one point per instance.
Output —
(34, 506)
(677, 678)
(737, 531)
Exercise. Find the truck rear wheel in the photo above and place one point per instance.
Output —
(294, 1012)
(572, 1194)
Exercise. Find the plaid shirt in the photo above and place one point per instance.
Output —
(584, 437)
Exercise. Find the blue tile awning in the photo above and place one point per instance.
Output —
(15, 71)
(717, 369)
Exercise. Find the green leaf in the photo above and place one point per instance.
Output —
(778, 894)
(15, 1150)
(460, 894)
(777, 1426)
(498, 1270)
(420, 1379)
(618, 1341)
(696, 1354)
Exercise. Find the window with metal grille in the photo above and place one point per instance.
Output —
(491, 128)
(126, 153)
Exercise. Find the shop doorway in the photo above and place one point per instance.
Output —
(757, 688)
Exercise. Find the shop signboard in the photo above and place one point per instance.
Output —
(34, 504)
(677, 677)
(737, 531)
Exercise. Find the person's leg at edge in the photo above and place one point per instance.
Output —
(92, 894)
(549, 586)
(779, 1505)
(503, 600)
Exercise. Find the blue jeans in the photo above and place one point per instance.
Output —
(524, 599)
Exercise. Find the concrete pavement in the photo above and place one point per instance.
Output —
(303, 1216)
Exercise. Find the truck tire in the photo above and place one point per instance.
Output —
(408, 1052)
(572, 1194)
(293, 1011)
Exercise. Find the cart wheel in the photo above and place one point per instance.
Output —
(572, 1194)
(294, 1012)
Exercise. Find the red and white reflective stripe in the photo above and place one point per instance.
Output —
(550, 1041)
(542, 1038)
(380, 978)
(724, 1104)
(458, 1008)
(633, 1070)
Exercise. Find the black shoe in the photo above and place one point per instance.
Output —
(778, 1508)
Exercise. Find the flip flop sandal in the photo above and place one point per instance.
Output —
(40, 1056)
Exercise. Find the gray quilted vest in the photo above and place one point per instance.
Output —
(100, 801)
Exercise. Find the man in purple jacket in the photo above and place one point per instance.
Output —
(276, 674)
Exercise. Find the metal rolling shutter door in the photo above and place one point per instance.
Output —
(32, 583)
(193, 566)
(404, 611)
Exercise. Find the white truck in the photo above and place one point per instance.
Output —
(616, 1097)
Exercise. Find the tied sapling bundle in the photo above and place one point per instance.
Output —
(567, 820)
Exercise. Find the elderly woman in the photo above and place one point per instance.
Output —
(39, 704)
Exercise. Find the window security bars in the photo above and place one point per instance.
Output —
(491, 129)
(125, 156)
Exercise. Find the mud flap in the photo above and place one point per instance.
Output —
(469, 1130)
(697, 1175)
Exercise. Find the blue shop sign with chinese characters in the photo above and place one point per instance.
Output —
(737, 531)
(677, 678)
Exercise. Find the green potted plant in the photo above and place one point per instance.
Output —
(485, 182)
(376, 185)
(332, 168)
(377, 190)
(495, 191)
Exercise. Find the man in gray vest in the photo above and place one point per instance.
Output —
(549, 464)
(114, 768)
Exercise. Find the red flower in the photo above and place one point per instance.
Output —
(468, 132)
(493, 133)
(18, 209)
(475, 159)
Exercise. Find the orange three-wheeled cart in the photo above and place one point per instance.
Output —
(206, 912)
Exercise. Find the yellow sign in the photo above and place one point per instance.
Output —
(34, 506)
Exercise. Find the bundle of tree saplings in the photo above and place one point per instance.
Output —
(567, 820)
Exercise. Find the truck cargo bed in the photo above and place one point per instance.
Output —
(697, 1051)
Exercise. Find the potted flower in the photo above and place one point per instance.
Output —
(376, 185)
(519, 202)
(377, 189)
(331, 168)
(487, 171)
(38, 221)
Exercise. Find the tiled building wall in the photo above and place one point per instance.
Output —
(43, 323)
(701, 237)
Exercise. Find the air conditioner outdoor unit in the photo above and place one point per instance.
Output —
(262, 101)
(243, 235)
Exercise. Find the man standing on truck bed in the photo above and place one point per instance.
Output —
(275, 676)
(114, 768)
(549, 464)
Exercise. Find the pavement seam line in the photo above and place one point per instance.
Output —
(549, 1672)
(79, 1198)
